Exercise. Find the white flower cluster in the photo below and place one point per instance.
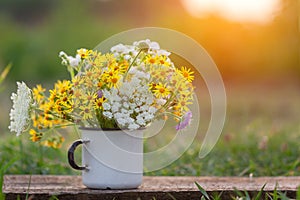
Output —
(130, 51)
(130, 105)
(69, 60)
(19, 114)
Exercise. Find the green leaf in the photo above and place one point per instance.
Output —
(172, 197)
(239, 193)
(247, 195)
(218, 196)
(29, 183)
(204, 193)
(5, 72)
(258, 197)
(283, 196)
(275, 193)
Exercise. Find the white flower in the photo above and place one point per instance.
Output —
(119, 48)
(121, 121)
(148, 116)
(147, 43)
(140, 119)
(62, 54)
(123, 49)
(161, 52)
(161, 101)
(106, 106)
(144, 108)
(19, 114)
(74, 61)
(127, 57)
(108, 114)
(152, 110)
(130, 104)
(129, 120)
(133, 126)
(115, 107)
(125, 104)
(69, 60)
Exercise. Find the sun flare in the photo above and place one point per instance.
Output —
(260, 11)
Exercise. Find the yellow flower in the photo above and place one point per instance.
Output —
(77, 81)
(177, 112)
(35, 136)
(86, 112)
(38, 93)
(187, 73)
(159, 60)
(88, 82)
(183, 103)
(99, 102)
(110, 58)
(98, 61)
(111, 78)
(161, 90)
(77, 94)
(124, 65)
(152, 86)
(63, 86)
(114, 80)
(163, 60)
(54, 142)
(88, 98)
(53, 95)
(84, 53)
(150, 60)
(97, 72)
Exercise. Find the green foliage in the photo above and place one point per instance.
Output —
(244, 195)
(23, 157)
(34, 47)
(5, 72)
(203, 192)
(240, 158)
(19, 157)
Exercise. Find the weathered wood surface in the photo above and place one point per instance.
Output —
(70, 187)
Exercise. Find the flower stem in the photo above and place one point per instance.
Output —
(131, 64)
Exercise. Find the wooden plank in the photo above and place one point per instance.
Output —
(163, 187)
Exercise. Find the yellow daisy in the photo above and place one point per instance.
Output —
(163, 60)
(161, 90)
(35, 136)
(84, 53)
(86, 112)
(187, 73)
(38, 92)
(99, 102)
(150, 60)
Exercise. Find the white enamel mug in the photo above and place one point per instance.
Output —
(111, 159)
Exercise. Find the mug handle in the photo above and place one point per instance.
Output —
(71, 155)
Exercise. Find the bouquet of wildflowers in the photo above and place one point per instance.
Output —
(127, 88)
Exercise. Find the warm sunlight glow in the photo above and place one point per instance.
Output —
(261, 11)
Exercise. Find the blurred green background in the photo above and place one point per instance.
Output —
(34, 31)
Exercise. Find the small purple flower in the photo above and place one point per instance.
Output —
(99, 94)
(185, 121)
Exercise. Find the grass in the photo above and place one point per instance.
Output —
(241, 195)
(261, 136)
